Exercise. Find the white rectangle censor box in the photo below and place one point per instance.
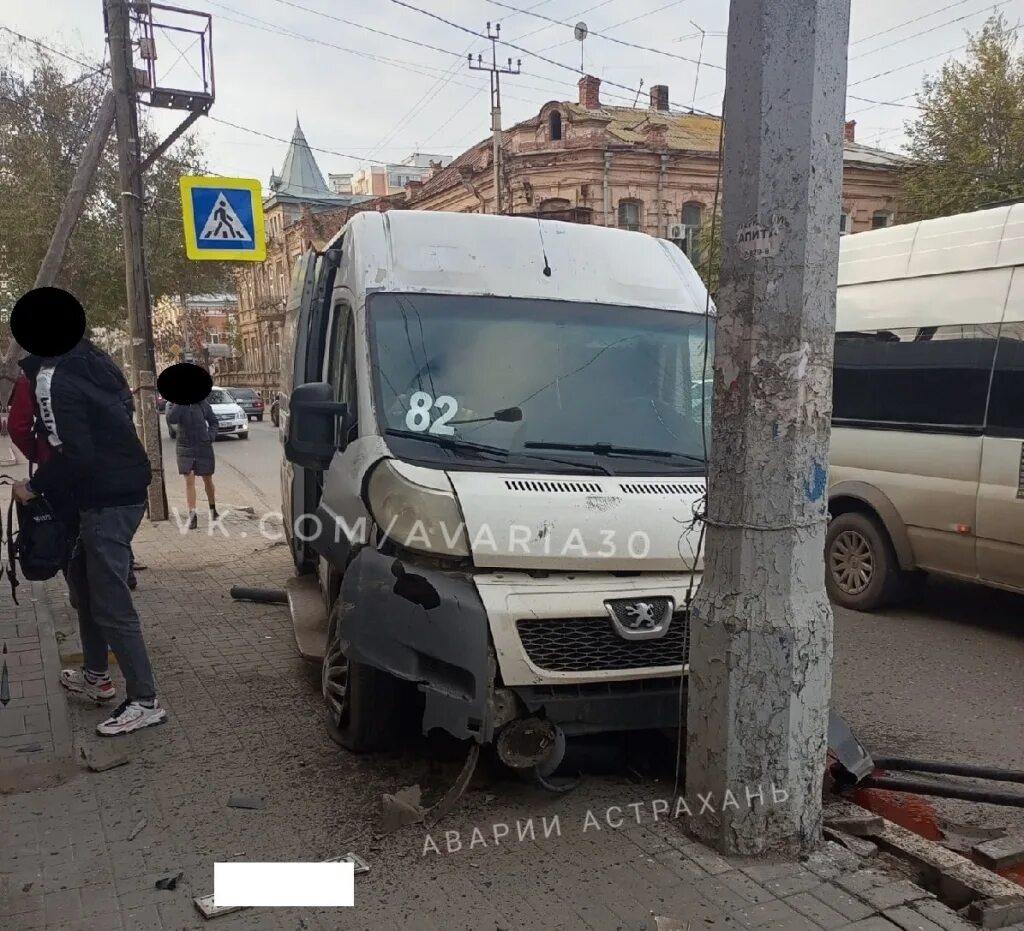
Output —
(322, 885)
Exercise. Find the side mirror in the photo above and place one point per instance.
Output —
(312, 437)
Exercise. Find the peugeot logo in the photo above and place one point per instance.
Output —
(641, 616)
(646, 619)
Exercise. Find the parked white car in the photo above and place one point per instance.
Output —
(231, 419)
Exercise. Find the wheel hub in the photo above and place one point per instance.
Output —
(851, 562)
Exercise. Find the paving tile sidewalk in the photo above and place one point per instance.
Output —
(85, 852)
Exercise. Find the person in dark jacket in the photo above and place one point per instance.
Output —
(84, 402)
(197, 429)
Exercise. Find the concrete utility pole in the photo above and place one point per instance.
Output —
(761, 658)
(140, 322)
(495, 71)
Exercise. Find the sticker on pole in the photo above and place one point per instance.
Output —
(223, 219)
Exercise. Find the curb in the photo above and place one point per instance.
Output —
(56, 701)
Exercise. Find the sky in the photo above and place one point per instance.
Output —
(375, 80)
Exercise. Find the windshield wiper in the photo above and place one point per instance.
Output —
(610, 449)
(455, 445)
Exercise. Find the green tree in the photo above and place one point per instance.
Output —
(968, 141)
(45, 117)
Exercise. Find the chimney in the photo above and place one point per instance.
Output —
(849, 133)
(590, 92)
(659, 97)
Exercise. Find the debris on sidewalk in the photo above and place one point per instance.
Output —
(401, 809)
(137, 830)
(270, 596)
(250, 802)
(850, 819)
(100, 759)
(861, 846)
(209, 909)
(1000, 853)
(169, 882)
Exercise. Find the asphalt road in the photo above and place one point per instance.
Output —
(248, 471)
(942, 677)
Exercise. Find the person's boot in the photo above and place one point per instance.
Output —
(193, 521)
(213, 512)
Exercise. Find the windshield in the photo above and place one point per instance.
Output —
(583, 383)
(243, 394)
(220, 396)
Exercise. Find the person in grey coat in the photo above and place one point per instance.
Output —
(196, 427)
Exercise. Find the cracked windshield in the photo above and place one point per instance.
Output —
(620, 385)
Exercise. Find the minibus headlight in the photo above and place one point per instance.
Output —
(416, 517)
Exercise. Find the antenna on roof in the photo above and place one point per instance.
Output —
(581, 32)
(640, 88)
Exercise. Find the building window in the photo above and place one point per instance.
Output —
(629, 214)
(214, 337)
(692, 222)
(553, 205)
(845, 223)
(881, 219)
(555, 126)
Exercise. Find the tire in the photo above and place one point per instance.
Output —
(361, 702)
(172, 433)
(244, 436)
(861, 571)
(259, 418)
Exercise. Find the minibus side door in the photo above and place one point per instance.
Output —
(1000, 521)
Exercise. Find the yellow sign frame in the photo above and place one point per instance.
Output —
(252, 186)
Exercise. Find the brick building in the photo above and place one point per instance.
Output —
(197, 328)
(643, 169)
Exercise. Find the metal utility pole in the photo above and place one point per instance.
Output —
(761, 658)
(140, 323)
(495, 71)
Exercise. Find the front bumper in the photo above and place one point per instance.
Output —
(567, 618)
(229, 428)
(451, 632)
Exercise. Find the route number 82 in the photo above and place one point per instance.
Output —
(418, 419)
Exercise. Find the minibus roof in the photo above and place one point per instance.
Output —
(455, 253)
(990, 238)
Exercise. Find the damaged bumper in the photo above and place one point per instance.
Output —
(426, 626)
(547, 644)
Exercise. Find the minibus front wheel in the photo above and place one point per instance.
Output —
(362, 702)
(861, 571)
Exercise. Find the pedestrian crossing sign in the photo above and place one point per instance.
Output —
(223, 219)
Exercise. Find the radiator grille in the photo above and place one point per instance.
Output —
(590, 644)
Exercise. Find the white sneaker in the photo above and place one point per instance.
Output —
(74, 680)
(132, 716)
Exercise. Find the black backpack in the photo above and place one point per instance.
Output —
(40, 544)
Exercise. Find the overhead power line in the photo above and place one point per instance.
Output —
(606, 37)
(908, 22)
(924, 32)
(524, 51)
(624, 22)
(50, 48)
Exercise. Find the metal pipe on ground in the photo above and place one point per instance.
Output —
(942, 790)
(901, 763)
(270, 596)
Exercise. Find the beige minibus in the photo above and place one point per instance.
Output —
(927, 462)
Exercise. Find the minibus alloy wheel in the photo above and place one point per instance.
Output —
(860, 565)
(362, 703)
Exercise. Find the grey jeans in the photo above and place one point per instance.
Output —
(98, 579)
